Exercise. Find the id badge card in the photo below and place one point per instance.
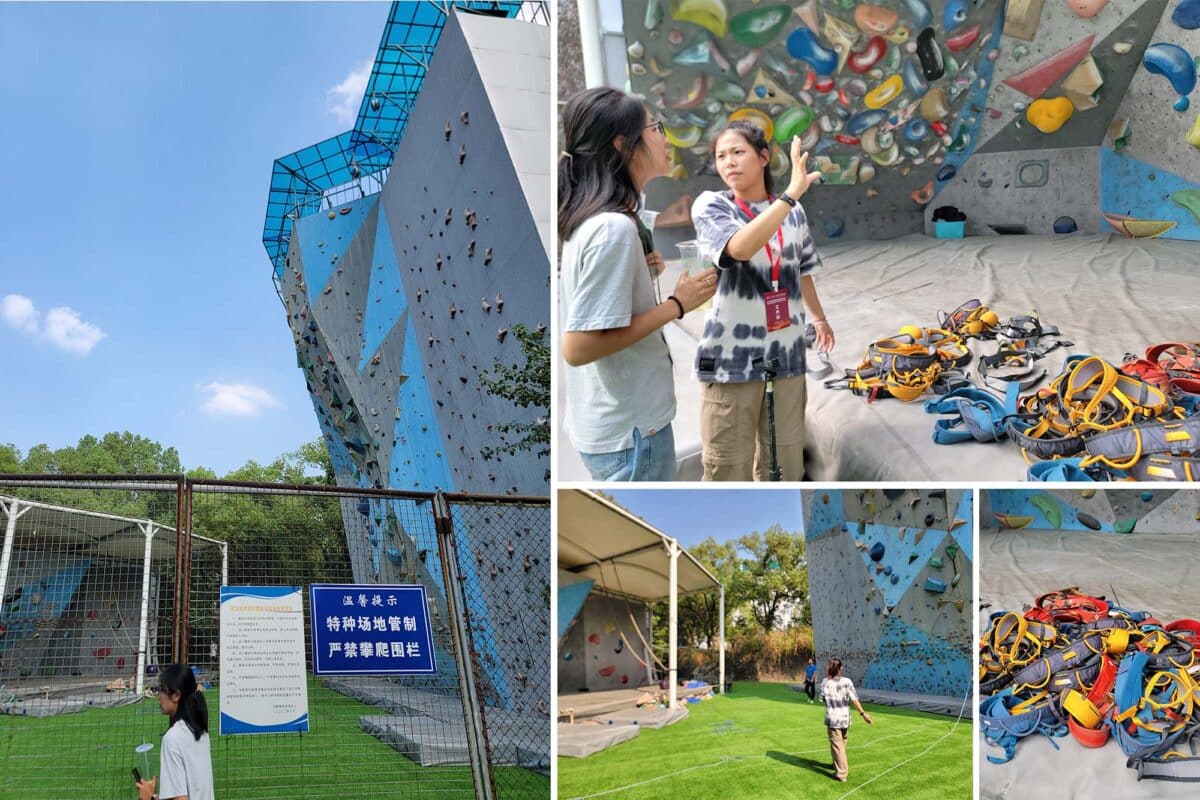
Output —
(778, 315)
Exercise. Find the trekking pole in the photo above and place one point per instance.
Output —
(776, 472)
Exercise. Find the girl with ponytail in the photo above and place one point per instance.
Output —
(185, 764)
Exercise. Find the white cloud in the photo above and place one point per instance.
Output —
(346, 97)
(65, 329)
(18, 311)
(62, 327)
(237, 400)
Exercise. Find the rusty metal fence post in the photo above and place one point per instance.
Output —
(464, 653)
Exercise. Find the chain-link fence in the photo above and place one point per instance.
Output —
(106, 581)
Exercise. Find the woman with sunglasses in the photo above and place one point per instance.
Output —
(185, 764)
(620, 386)
(766, 257)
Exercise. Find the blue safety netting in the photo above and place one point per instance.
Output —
(301, 182)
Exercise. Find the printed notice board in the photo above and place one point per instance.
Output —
(371, 630)
(263, 683)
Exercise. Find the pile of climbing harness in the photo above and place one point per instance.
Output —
(1093, 421)
(1078, 665)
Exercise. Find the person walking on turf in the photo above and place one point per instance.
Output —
(838, 693)
(810, 680)
(185, 763)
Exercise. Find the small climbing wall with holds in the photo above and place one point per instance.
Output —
(890, 586)
(909, 105)
(604, 647)
(1119, 511)
(887, 97)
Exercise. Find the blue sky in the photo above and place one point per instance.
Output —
(137, 146)
(693, 515)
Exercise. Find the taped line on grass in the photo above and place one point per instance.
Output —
(724, 760)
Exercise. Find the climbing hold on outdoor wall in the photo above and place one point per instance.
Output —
(1088, 521)
(873, 20)
(500, 334)
(1176, 65)
(695, 94)
(793, 122)
(884, 93)
(930, 55)
(462, 154)
(1187, 14)
(757, 117)
(1011, 522)
(653, 16)
(936, 562)
(876, 551)
(1193, 134)
(636, 51)
(709, 14)
(961, 41)
(1189, 199)
(955, 13)
(951, 551)
(1086, 8)
(1125, 525)
(332, 215)
(860, 61)
(860, 122)
(487, 256)
(935, 585)
(802, 44)
(594, 638)
(935, 106)
(758, 26)
(608, 671)
(922, 196)
(446, 131)
(1065, 225)
(1048, 115)
(1049, 508)
(946, 172)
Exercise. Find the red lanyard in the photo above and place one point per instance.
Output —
(774, 259)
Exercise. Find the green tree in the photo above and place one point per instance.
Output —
(526, 386)
(773, 572)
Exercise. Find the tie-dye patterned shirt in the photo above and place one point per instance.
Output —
(838, 694)
(735, 329)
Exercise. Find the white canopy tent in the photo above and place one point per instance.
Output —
(625, 556)
(97, 535)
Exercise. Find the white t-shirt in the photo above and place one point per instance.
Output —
(605, 281)
(185, 765)
(735, 329)
(838, 694)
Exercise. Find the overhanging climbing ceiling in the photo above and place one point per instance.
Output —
(1126, 511)
(901, 101)
(890, 586)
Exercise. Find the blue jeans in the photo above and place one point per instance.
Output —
(652, 458)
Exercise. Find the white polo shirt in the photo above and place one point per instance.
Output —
(185, 765)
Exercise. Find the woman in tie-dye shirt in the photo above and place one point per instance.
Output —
(765, 256)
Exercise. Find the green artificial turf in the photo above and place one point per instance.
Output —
(766, 741)
(90, 753)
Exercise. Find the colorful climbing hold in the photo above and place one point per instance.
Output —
(860, 122)
(876, 553)
(1048, 115)
(930, 55)
(1125, 525)
(1189, 199)
(1087, 520)
(1086, 8)
(873, 20)
(860, 61)
(758, 26)
(955, 14)
(884, 93)
(935, 106)
(962, 41)
(793, 122)
(1065, 225)
(1187, 14)
(1049, 508)
(1193, 134)
(685, 137)
(711, 15)
(922, 195)
(757, 117)
(802, 44)
(935, 585)
(1176, 65)
(1011, 521)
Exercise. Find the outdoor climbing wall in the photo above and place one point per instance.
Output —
(467, 210)
(399, 301)
(1018, 129)
(883, 95)
(602, 650)
(1107, 511)
(890, 586)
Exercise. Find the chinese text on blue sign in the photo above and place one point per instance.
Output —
(371, 630)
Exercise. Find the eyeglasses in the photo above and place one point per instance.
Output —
(658, 126)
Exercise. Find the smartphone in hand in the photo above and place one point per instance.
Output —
(137, 776)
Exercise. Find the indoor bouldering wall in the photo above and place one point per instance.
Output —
(1122, 512)
(890, 586)
(602, 649)
(1030, 116)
